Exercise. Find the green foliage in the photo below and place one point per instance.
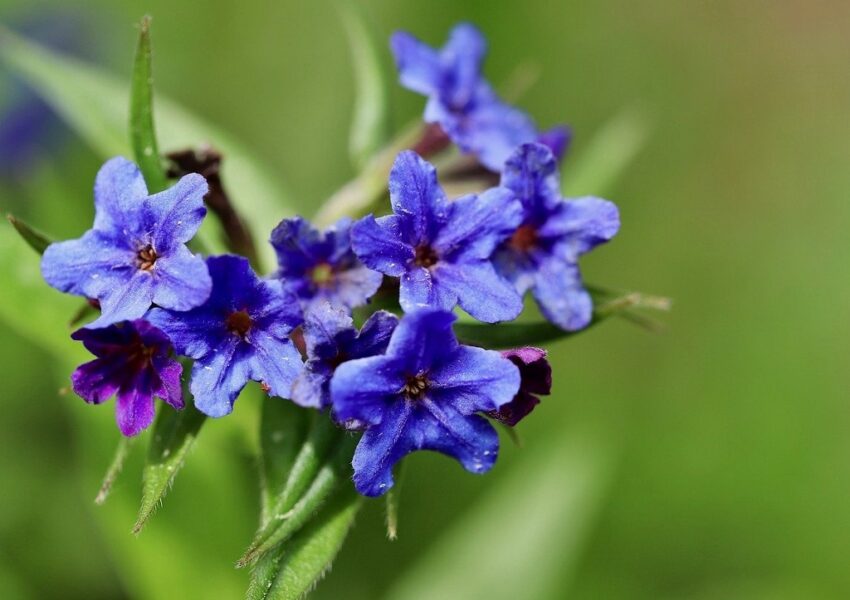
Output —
(36, 240)
(284, 427)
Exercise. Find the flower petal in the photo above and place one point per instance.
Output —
(380, 448)
(175, 214)
(582, 224)
(561, 296)
(418, 288)
(354, 286)
(182, 280)
(88, 266)
(531, 173)
(170, 388)
(380, 245)
(311, 388)
(418, 64)
(135, 409)
(126, 302)
(557, 139)
(275, 363)
(417, 198)
(322, 328)
(494, 130)
(462, 57)
(97, 380)
(480, 290)
(478, 223)
(362, 388)
(375, 334)
(194, 333)
(476, 380)
(218, 377)
(423, 338)
(119, 190)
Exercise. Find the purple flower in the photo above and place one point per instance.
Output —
(536, 378)
(133, 362)
(135, 254)
(331, 340)
(441, 250)
(240, 333)
(422, 395)
(461, 100)
(542, 255)
(320, 267)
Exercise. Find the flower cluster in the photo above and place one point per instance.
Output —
(403, 378)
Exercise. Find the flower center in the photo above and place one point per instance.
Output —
(239, 323)
(425, 256)
(415, 386)
(524, 238)
(146, 258)
(322, 274)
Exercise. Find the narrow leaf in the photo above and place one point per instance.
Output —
(293, 569)
(36, 240)
(283, 430)
(370, 125)
(121, 454)
(174, 434)
(142, 131)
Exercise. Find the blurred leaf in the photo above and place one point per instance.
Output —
(118, 460)
(393, 499)
(142, 130)
(609, 153)
(525, 535)
(509, 335)
(283, 430)
(370, 126)
(293, 569)
(282, 526)
(95, 105)
(174, 433)
(36, 240)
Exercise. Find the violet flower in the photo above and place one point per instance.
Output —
(535, 378)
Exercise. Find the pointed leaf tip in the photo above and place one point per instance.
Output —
(36, 240)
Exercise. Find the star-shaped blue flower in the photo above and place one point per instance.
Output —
(423, 394)
(135, 254)
(320, 267)
(461, 100)
(543, 253)
(441, 250)
(134, 363)
(241, 333)
(331, 340)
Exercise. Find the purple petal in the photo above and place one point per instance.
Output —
(311, 388)
(532, 173)
(535, 370)
(97, 380)
(480, 290)
(476, 380)
(275, 363)
(422, 338)
(193, 333)
(557, 139)
(218, 378)
(375, 334)
(418, 64)
(380, 448)
(561, 296)
(175, 214)
(170, 388)
(134, 410)
(417, 198)
(516, 410)
(380, 245)
(361, 389)
(119, 190)
(495, 130)
(322, 326)
(418, 288)
(584, 222)
(88, 266)
(182, 280)
(478, 223)
(463, 55)
(129, 301)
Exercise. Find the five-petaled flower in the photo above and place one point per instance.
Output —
(441, 250)
(135, 254)
(320, 267)
(332, 339)
(542, 255)
(133, 362)
(240, 333)
(461, 100)
(422, 394)
(536, 378)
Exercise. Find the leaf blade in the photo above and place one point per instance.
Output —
(36, 240)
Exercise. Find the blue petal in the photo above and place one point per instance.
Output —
(126, 302)
(418, 288)
(475, 379)
(423, 338)
(182, 280)
(322, 326)
(375, 334)
(417, 198)
(519, 268)
(478, 223)
(297, 245)
(418, 64)
(89, 266)
(582, 224)
(462, 56)
(218, 377)
(480, 290)
(557, 139)
(175, 214)
(532, 173)
(495, 130)
(310, 388)
(119, 190)
(380, 245)
(561, 296)
(380, 448)
(275, 362)
(353, 287)
(194, 333)
(361, 389)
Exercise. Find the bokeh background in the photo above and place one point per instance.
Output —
(711, 460)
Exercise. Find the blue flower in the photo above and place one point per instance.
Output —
(135, 254)
(331, 340)
(422, 395)
(441, 249)
(320, 267)
(133, 362)
(536, 378)
(461, 100)
(542, 255)
(240, 333)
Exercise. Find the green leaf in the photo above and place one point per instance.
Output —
(370, 126)
(142, 130)
(509, 335)
(609, 153)
(37, 240)
(283, 431)
(95, 103)
(174, 433)
(293, 569)
(284, 524)
(118, 460)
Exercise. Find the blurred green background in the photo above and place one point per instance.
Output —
(709, 461)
